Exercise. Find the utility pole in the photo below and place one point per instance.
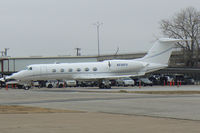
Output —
(6, 51)
(78, 51)
(2, 53)
(98, 24)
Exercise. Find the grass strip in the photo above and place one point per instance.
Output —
(15, 109)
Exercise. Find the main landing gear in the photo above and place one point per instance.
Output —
(104, 84)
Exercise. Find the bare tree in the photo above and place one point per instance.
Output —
(185, 25)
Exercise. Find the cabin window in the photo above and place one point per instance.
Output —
(53, 70)
(62, 70)
(87, 69)
(78, 69)
(70, 70)
(94, 69)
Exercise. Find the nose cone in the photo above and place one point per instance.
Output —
(15, 76)
(2, 79)
(11, 76)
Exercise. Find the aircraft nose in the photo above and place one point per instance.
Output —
(13, 76)
(2, 79)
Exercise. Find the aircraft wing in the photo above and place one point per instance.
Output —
(96, 77)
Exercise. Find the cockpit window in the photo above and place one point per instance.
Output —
(29, 68)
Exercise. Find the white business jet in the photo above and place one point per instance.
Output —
(157, 58)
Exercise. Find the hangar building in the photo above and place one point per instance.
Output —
(10, 65)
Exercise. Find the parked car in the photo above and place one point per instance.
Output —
(51, 83)
(165, 79)
(104, 84)
(144, 82)
(170, 78)
(42, 83)
(61, 84)
(113, 82)
(2, 84)
(185, 80)
(12, 83)
(179, 78)
(189, 81)
(36, 84)
(87, 83)
(125, 82)
(155, 79)
(71, 83)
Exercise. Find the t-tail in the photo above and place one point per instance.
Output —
(161, 51)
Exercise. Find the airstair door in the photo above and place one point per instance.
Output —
(43, 69)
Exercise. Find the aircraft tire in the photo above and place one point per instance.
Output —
(27, 87)
(60, 86)
(50, 86)
(101, 86)
(108, 87)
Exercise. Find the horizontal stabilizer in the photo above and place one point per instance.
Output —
(172, 40)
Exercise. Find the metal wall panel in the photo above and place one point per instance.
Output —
(17, 64)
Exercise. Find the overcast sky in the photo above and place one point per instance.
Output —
(57, 27)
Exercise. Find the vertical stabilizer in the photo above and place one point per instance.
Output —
(161, 51)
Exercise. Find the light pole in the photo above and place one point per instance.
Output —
(77, 51)
(98, 24)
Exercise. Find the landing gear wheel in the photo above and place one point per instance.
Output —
(105, 84)
(101, 86)
(61, 86)
(108, 87)
(27, 87)
(50, 86)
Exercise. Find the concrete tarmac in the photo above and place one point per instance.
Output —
(105, 110)
(92, 123)
(171, 106)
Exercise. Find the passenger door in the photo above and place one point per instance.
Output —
(43, 70)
